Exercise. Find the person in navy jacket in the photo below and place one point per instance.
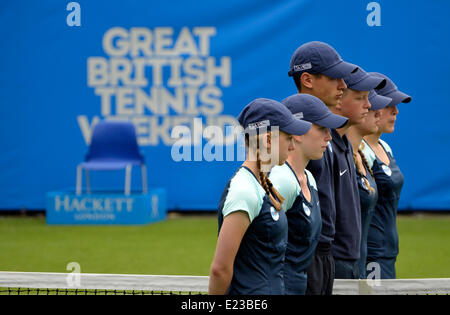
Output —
(317, 69)
(347, 240)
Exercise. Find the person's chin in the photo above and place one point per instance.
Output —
(389, 130)
(318, 156)
(374, 130)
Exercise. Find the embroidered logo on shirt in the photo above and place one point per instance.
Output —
(342, 173)
(274, 213)
(387, 170)
(307, 210)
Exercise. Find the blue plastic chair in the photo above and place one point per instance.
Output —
(113, 147)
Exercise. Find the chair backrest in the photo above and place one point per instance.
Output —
(114, 141)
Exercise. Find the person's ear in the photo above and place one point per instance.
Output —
(268, 139)
(297, 138)
(307, 80)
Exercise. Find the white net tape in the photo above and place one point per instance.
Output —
(200, 283)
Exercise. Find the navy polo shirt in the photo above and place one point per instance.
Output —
(347, 238)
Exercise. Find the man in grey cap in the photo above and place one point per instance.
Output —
(317, 69)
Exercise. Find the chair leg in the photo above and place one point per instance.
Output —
(88, 182)
(144, 179)
(127, 179)
(79, 180)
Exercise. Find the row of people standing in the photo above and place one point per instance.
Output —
(324, 204)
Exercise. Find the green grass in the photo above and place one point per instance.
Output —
(424, 247)
(180, 246)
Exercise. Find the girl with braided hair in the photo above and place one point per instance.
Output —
(368, 193)
(383, 240)
(252, 239)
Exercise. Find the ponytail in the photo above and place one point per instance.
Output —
(275, 197)
(359, 169)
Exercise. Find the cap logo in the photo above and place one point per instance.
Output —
(302, 67)
(259, 124)
(299, 115)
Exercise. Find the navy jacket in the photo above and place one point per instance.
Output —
(347, 239)
(322, 170)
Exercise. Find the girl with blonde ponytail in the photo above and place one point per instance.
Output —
(252, 240)
(368, 192)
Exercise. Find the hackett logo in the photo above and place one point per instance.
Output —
(93, 204)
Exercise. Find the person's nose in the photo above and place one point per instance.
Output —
(394, 110)
(291, 146)
(367, 104)
(341, 84)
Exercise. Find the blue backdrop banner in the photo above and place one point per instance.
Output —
(167, 64)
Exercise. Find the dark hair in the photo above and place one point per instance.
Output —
(297, 80)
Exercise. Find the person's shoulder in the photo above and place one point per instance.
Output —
(311, 179)
(286, 183)
(245, 183)
(386, 146)
(369, 154)
(244, 194)
(281, 175)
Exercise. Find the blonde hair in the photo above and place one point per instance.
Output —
(275, 197)
(359, 167)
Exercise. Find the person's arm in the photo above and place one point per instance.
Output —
(231, 233)
(285, 182)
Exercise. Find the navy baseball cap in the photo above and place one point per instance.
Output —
(267, 113)
(360, 80)
(310, 108)
(391, 90)
(378, 101)
(318, 57)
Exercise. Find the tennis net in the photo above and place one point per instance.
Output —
(34, 283)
